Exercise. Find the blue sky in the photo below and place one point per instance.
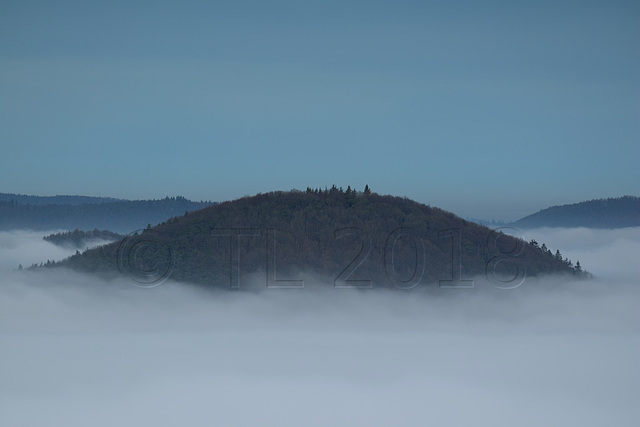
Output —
(487, 109)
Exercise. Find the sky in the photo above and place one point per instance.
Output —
(492, 110)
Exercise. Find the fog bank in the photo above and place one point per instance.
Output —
(78, 351)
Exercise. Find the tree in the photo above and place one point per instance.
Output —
(558, 255)
(578, 267)
(367, 190)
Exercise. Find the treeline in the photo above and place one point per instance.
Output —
(338, 190)
(351, 236)
(577, 268)
(80, 239)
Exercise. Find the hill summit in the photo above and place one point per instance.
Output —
(354, 239)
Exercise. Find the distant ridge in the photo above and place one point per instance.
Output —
(600, 213)
(89, 213)
(24, 199)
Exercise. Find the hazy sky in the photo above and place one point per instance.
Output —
(487, 109)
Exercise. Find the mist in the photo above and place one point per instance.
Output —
(610, 254)
(80, 351)
(27, 247)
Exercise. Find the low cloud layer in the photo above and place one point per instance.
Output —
(609, 254)
(25, 247)
(77, 351)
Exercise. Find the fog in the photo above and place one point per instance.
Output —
(610, 254)
(25, 247)
(79, 351)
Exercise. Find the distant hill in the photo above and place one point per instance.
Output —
(54, 200)
(601, 213)
(360, 239)
(121, 216)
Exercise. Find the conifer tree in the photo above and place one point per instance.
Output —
(558, 255)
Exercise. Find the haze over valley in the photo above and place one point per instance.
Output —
(80, 347)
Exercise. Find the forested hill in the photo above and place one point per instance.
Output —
(601, 213)
(358, 239)
(122, 216)
(81, 239)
